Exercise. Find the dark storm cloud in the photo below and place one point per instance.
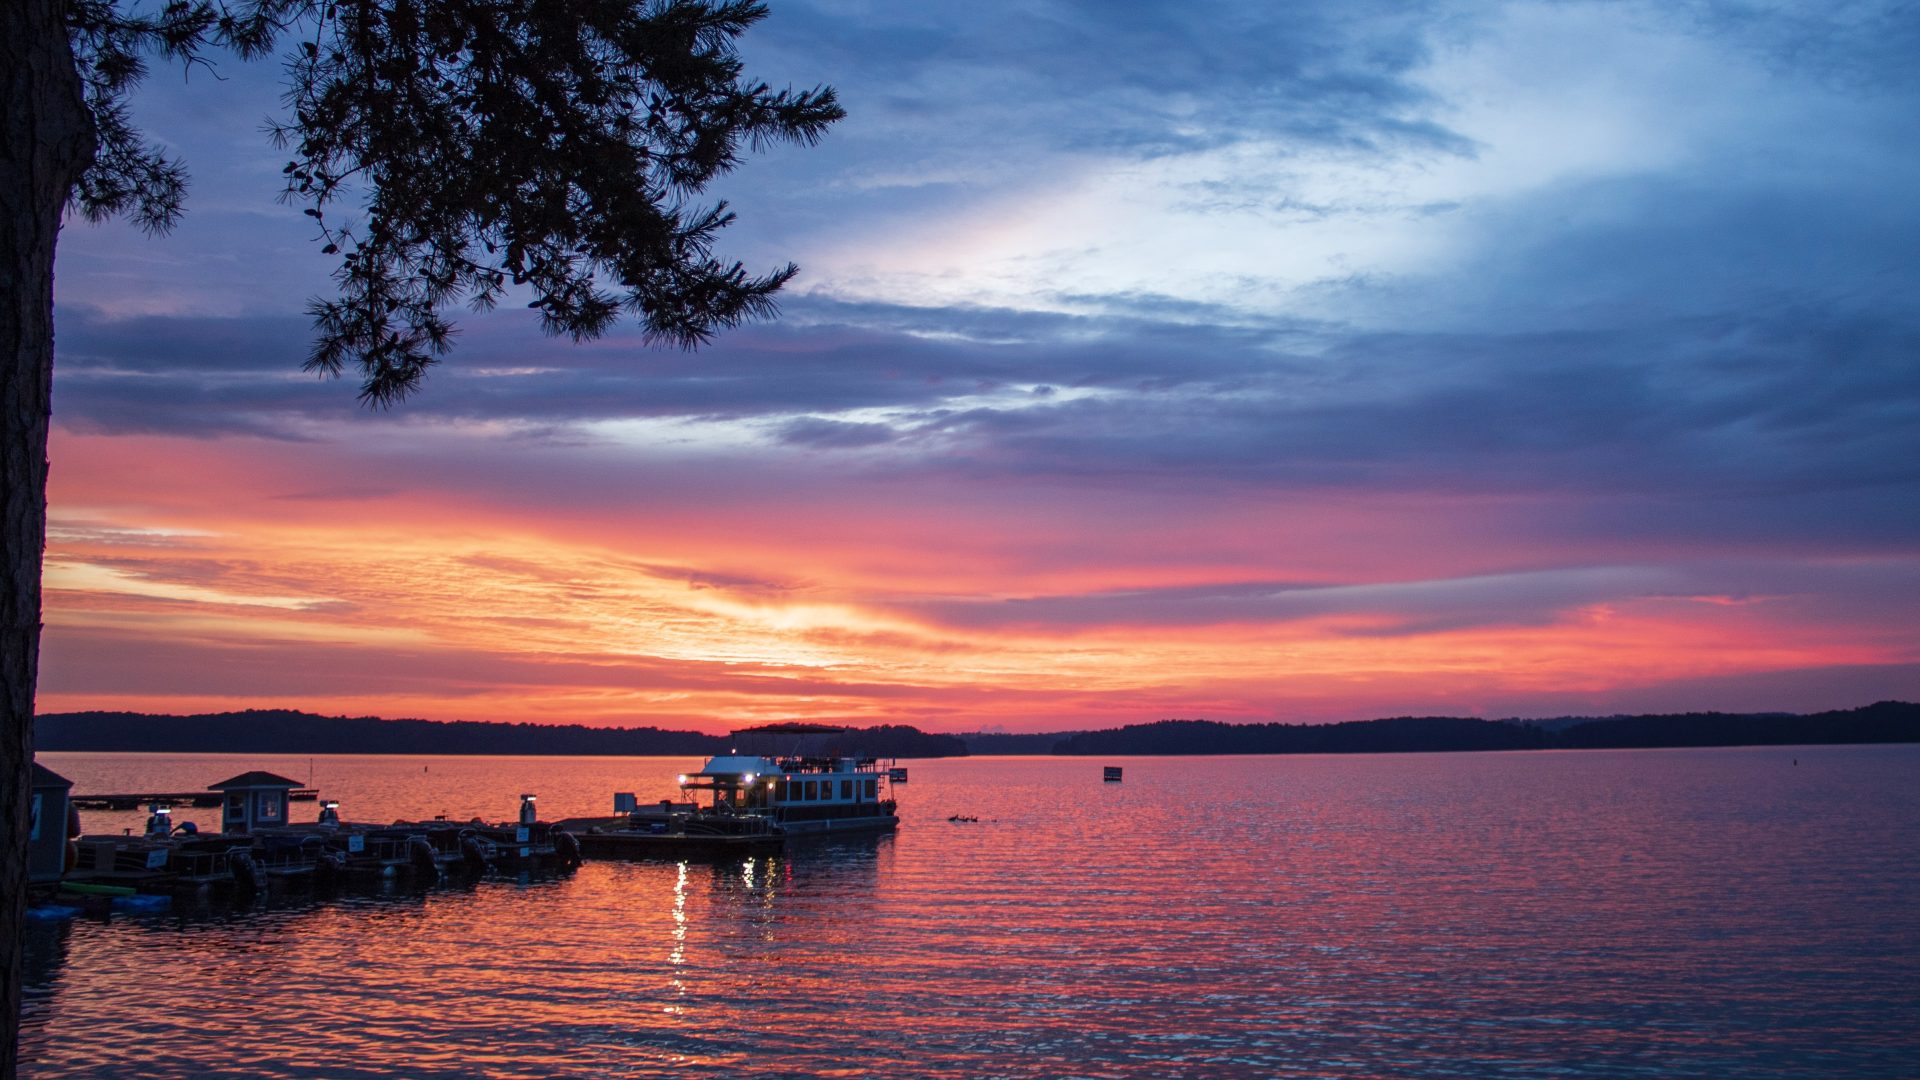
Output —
(1861, 46)
(1141, 78)
(210, 376)
(1798, 402)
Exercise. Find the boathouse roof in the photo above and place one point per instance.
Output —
(45, 777)
(254, 779)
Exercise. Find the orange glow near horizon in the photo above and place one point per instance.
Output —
(193, 576)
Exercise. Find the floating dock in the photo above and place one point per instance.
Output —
(142, 800)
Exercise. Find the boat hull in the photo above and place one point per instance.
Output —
(839, 826)
(636, 844)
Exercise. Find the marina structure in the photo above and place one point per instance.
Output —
(259, 848)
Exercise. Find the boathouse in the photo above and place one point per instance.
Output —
(254, 800)
(47, 838)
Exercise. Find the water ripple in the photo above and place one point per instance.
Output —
(1633, 914)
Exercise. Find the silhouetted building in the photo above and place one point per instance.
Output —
(254, 800)
(50, 830)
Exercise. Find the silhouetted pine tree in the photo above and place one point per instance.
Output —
(553, 147)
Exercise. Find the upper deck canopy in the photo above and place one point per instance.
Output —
(737, 765)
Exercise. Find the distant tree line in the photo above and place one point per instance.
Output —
(997, 742)
(896, 741)
(286, 731)
(1885, 722)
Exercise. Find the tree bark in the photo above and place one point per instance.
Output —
(47, 139)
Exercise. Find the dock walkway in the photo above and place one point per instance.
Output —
(141, 800)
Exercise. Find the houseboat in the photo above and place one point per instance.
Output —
(777, 783)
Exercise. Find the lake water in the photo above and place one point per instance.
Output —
(1670, 913)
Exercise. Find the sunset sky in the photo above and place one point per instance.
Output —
(1244, 360)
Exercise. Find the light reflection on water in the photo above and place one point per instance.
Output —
(1673, 913)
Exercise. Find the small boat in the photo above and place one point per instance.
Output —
(156, 863)
(752, 803)
(477, 845)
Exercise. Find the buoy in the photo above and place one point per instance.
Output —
(568, 848)
(420, 853)
(246, 872)
(329, 867)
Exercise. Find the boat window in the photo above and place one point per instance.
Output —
(780, 790)
(873, 789)
(813, 789)
(269, 807)
(846, 789)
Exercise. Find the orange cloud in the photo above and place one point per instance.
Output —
(201, 575)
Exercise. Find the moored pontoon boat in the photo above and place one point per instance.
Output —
(751, 801)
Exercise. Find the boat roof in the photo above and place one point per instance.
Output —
(736, 765)
(254, 779)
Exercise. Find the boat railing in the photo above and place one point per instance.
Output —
(823, 764)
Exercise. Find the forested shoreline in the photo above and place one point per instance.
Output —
(288, 731)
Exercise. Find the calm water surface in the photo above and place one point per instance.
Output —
(1722, 913)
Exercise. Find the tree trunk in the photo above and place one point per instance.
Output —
(46, 141)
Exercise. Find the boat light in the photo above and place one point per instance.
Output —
(683, 779)
(749, 778)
